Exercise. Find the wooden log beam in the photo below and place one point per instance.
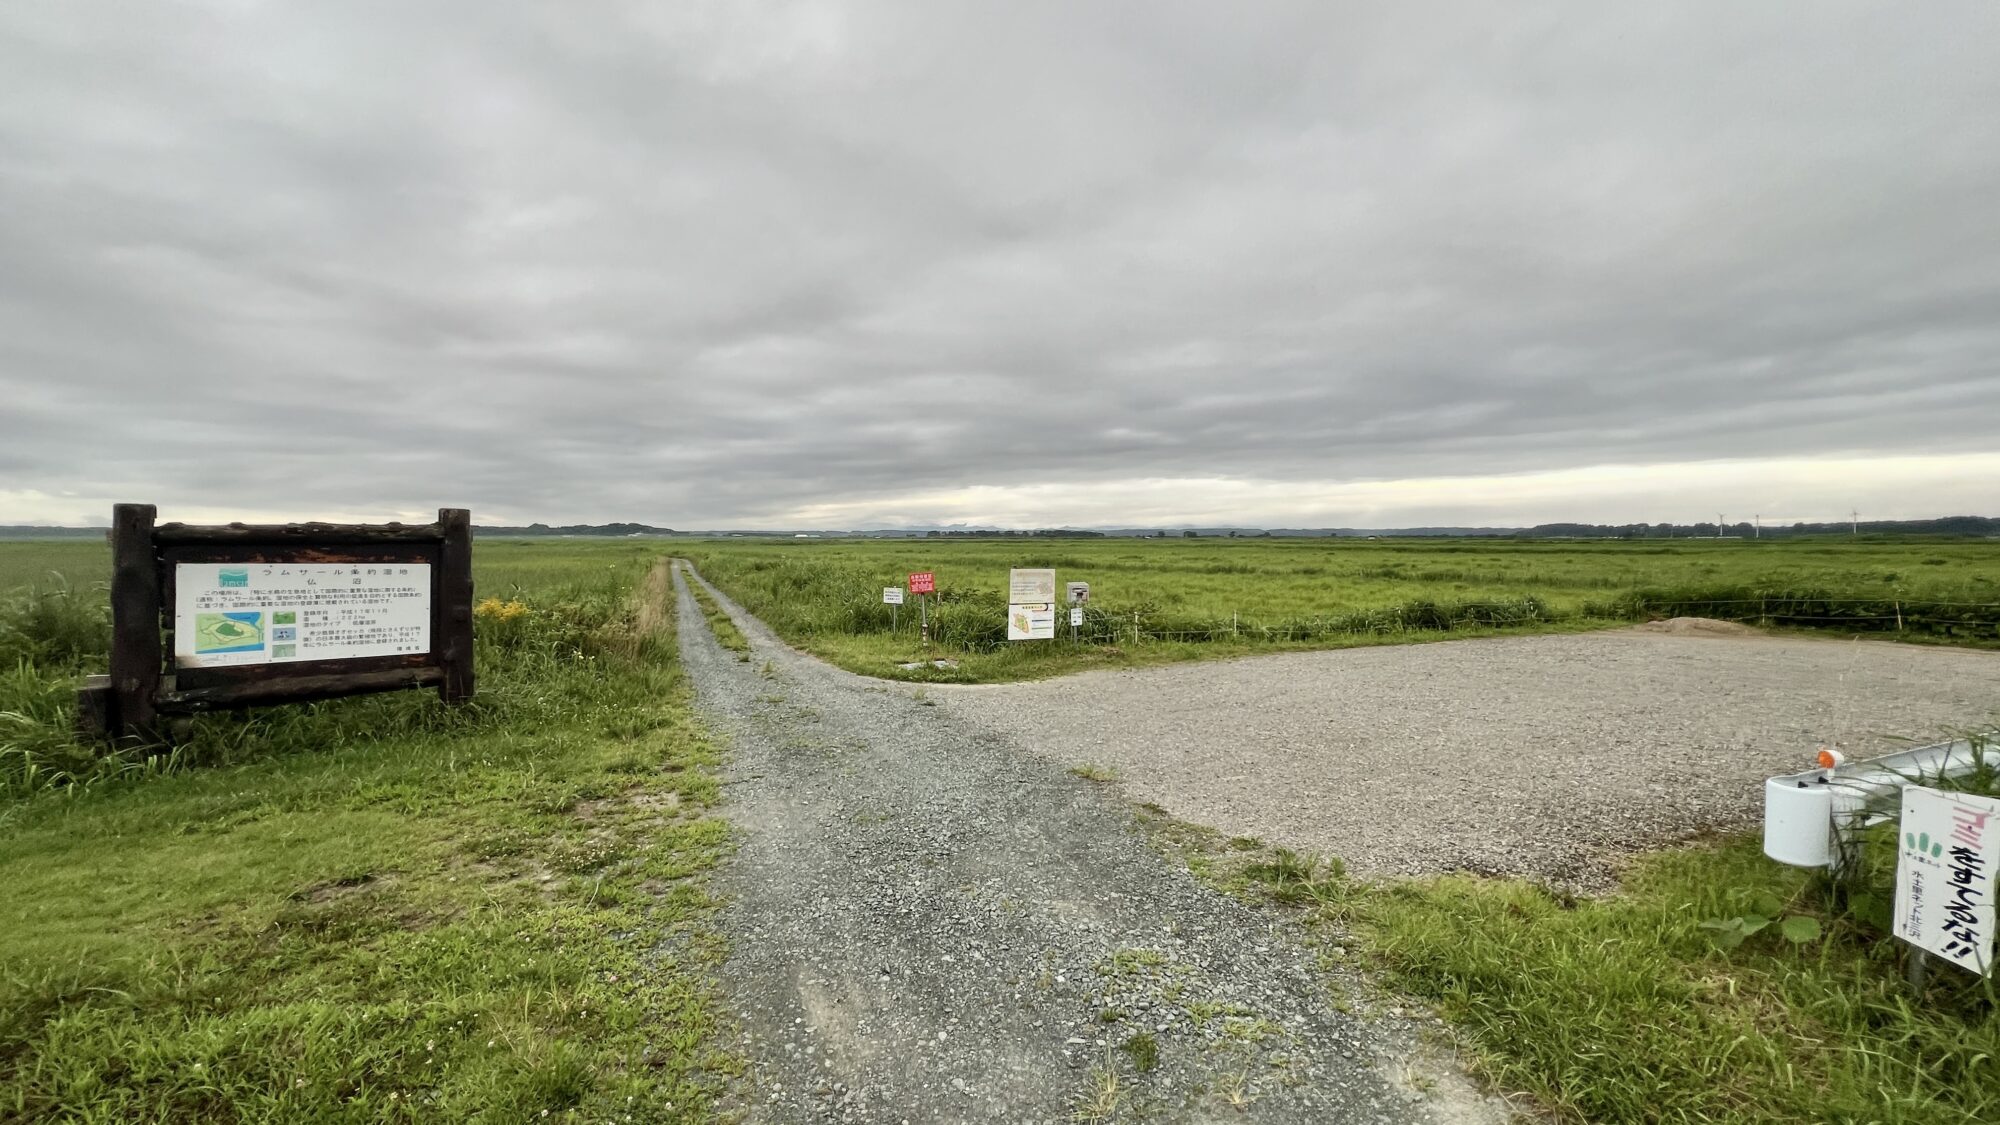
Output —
(451, 605)
(316, 534)
(135, 621)
(294, 689)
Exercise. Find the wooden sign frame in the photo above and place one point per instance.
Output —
(143, 688)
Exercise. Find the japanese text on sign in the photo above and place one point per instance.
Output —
(892, 595)
(923, 582)
(1031, 622)
(230, 614)
(1030, 586)
(1948, 850)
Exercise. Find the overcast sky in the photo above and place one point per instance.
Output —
(851, 264)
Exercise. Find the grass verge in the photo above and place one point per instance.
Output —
(380, 911)
(726, 633)
(1627, 1009)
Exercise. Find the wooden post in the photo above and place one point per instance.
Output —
(451, 608)
(135, 621)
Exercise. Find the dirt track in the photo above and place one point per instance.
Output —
(927, 923)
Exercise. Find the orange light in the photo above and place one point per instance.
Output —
(1828, 759)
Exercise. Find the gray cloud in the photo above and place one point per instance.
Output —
(706, 264)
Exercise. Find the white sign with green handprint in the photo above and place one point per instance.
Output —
(1945, 864)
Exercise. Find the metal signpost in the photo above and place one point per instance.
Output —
(1945, 864)
(923, 582)
(892, 596)
(1079, 593)
(256, 615)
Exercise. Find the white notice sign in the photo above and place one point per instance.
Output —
(892, 595)
(1031, 622)
(1075, 616)
(1031, 586)
(228, 614)
(1945, 861)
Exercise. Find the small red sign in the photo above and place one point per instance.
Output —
(923, 582)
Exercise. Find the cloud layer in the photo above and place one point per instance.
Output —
(715, 264)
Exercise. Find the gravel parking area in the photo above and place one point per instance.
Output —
(1546, 756)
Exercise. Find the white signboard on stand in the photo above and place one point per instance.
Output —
(231, 614)
(892, 595)
(1075, 616)
(1946, 856)
(1031, 622)
(1030, 587)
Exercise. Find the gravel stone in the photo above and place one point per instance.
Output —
(929, 924)
(1547, 756)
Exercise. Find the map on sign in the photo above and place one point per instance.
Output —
(1030, 586)
(230, 615)
(1031, 622)
(228, 632)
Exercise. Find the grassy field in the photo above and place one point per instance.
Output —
(373, 909)
(1175, 599)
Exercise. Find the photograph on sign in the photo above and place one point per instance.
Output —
(1948, 846)
(892, 595)
(1079, 592)
(1031, 621)
(1030, 587)
(230, 614)
(923, 582)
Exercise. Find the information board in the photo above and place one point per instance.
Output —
(1032, 587)
(923, 582)
(892, 595)
(1948, 849)
(229, 614)
(1031, 621)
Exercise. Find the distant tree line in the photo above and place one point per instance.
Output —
(1948, 525)
(1041, 533)
(609, 529)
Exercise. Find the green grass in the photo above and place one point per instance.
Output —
(1626, 1009)
(84, 563)
(1155, 601)
(380, 909)
(719, 623)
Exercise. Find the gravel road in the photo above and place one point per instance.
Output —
(1547, 756)
(929, 924)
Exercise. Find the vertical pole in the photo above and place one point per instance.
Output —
(135, 621)
(451, 605)
(893, 607)
(924, 629)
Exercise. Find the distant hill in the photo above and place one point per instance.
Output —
(1974, 526)
(29, 531)
(608, 530)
